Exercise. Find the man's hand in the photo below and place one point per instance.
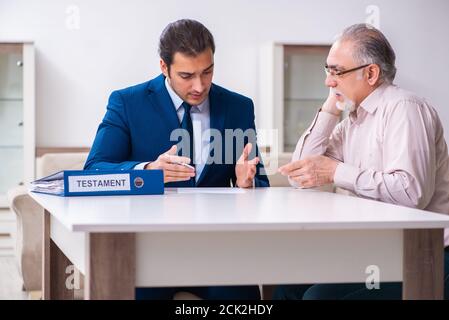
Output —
(330, 105)
(245, 169)
(311, 172)
(172, 172)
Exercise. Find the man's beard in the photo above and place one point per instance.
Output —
(346, 104)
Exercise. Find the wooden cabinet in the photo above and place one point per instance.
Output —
(291, 92)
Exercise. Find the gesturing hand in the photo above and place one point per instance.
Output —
(173, 172)
(245, 170)
(311, 172)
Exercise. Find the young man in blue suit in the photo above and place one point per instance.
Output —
(148, 125)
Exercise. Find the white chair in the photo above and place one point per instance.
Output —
(29, 217)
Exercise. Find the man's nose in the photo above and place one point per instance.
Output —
(198, 85)
(330, 82)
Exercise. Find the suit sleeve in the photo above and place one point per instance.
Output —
(111, 147)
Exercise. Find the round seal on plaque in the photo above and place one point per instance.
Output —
(138, 182)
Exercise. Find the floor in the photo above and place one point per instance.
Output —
(7, 232)
(10, 279)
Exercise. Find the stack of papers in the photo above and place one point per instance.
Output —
(207, 190)
(53, 184)
(56, 186)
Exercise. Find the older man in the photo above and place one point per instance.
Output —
(390, 148)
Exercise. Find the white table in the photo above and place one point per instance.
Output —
(257, 236)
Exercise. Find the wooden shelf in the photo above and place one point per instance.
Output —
(11, 99)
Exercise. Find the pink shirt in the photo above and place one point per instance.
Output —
(391, 149)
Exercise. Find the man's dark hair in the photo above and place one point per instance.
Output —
(186, 36)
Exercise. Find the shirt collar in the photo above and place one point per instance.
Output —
(371, 102)
(177, 101)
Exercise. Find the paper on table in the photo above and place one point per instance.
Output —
(209, 190)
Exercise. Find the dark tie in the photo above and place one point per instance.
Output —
(188, 147)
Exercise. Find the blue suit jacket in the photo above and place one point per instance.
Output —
(140, 119)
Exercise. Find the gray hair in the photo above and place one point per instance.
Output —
(371, 47)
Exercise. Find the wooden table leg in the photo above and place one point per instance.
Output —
(111, 270)
(423, 264)
(267, 291)
(54, 267)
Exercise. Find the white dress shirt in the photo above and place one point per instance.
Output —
(390, 149)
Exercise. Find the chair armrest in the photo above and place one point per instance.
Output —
(16, 192)
(29, 236)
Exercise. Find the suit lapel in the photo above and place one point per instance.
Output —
(217, 120)
(162, 103)
(217, 110)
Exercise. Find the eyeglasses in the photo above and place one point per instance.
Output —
(334, 72)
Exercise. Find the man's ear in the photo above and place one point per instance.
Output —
(373, 74)
(164, 68)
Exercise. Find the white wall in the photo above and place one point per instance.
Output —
(116, 46)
